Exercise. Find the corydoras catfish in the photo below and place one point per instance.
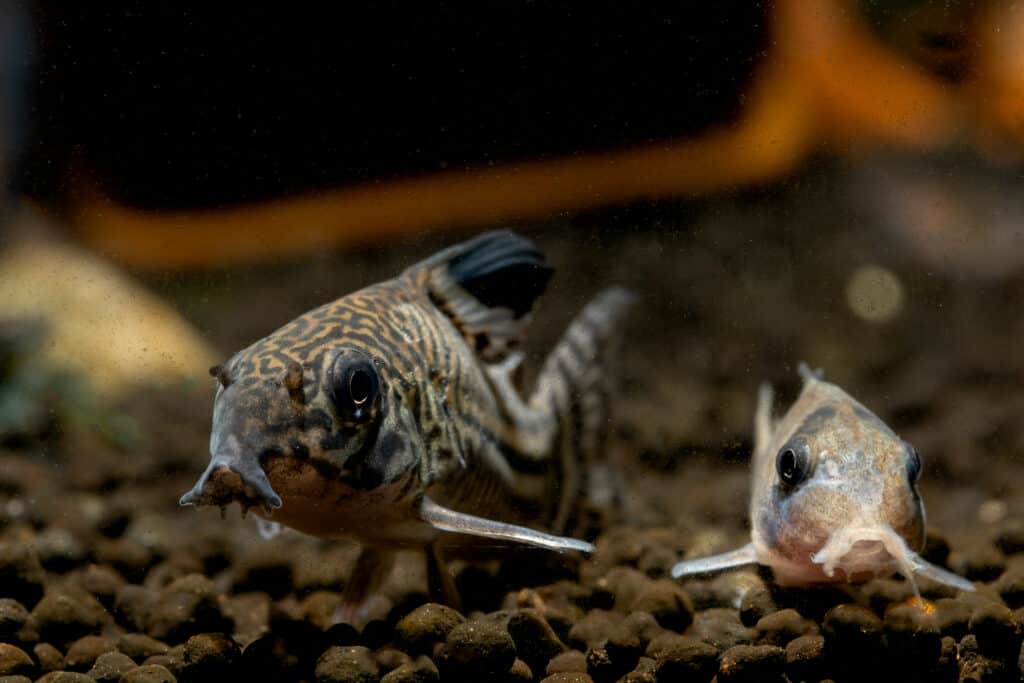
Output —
(392, 416)
(833, 498)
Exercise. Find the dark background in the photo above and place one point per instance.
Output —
(175, 105)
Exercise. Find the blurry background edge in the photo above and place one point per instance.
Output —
(201, 136)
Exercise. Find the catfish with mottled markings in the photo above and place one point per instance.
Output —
(392, 416)
(834, 496)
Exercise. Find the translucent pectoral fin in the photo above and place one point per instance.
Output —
(443, 519)
(741, 557)
(923, 567)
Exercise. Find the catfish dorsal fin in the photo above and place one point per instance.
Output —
(488, 287)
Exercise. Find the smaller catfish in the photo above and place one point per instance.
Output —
(393, 417)
(834, 496)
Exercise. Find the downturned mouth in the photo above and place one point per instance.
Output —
(228, 479)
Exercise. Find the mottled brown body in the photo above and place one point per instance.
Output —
(379, 416)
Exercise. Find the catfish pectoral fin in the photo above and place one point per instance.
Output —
(741, 557)
(443, 519)
(923, 567)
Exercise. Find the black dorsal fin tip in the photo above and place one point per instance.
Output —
(502, 269)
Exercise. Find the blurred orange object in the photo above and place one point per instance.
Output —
(828, 82)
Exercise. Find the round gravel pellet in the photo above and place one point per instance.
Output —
(752, 664)
(420, 670)
(481, 647)
(352, 664)
(149, 673)
(685, 659)
(209, 657)
(667, 602)
(805, 658)
(109, 667)
(13, 616)
(14, 661)
(427, 624)
(535, 640)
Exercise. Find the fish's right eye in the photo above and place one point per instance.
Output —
(354, 387)
(792, 464)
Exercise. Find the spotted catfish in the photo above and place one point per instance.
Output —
(833, 497)
(392, 416)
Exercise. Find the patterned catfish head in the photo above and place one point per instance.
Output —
(327, 422)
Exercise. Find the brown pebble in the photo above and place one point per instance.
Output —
(601, 667)
(519, 673)
(132, 605)
(752, 663)
(389, 658)
(66, 677)
(977, 667)
(536, 642)
(266, 567)
(952, 616)
(84, 652)
(209, 657)
(721, 628)
(427, 624)
(15, 679)
(624, 646)
(149, 673)
(320, 606)
(757, 603)
(64, 615)
(14, 661)
(419, 670)
(805, 658)
(667, 602)
(778, 628)
(643, 672)
(568, 677)
(58, 550)
(110, 666)
(685, 659)
(997, 630)
(572, 661)
(853, 637)
(129, 557)
(173, 660)
(13, 616)
(186, 607)
(102, 581)
(593, 629)
(477, 648)
(1010, 585)
(626, 584)
(912, 637)
(352, 664)
(49, 657)
(139, 646)
(21, 575)
(981, 562)
(250, 613)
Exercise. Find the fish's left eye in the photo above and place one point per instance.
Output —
(792, 463)
(354, 386)
(913, 463)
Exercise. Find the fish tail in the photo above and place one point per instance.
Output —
(576, 386)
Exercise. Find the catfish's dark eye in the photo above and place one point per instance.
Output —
(792, 464)
(354, 387)
(913, 463)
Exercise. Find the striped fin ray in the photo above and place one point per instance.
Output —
(575, 385)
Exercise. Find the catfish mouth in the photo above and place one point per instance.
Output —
(230, 478)
(865, 552)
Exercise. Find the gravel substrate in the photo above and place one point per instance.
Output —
(99, 587)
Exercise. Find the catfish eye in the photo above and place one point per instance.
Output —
(353, 387)
(913, 463)
(792, 465)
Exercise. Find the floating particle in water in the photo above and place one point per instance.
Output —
(874, 294)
